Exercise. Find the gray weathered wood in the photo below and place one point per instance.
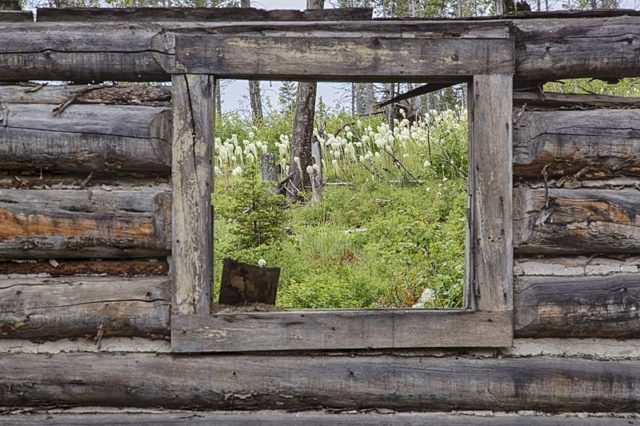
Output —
(99, 223)
(490, 185)
(86, 94)
(580, 221)
(299, 382)
(83, 51)
(312, 418)
(348, 59)
(55, 308)
(199, 14)
(594, 144)
(339, 329)
(192, 174)
(85, 138)
(571, 48)
(549, 100)
(578, 306)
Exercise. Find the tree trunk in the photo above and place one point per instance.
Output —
(301, 157)
(254, 86)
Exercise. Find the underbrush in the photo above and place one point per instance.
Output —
(389, 229)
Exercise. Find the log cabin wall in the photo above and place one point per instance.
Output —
(85, 234)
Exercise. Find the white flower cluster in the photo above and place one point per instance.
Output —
(375, 149)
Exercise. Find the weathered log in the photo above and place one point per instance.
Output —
(300, 382)
(549, 49)
(54, 308)
(85, 138)
(342, 329)
(311, 418)
(549, 100)
(581, 221)
(594, 144)
(578, 306)
(84, 94)
(546, 49)
(85, 224)
(85, 267)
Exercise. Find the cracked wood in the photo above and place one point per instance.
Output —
(192, 180)
(85, 138)
(56, 308)
(594, 144)
(580, 221)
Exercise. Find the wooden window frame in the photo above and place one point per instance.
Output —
(485, 61)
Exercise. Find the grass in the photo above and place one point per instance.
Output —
(368, 245)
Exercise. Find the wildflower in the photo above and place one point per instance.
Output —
(237, 171)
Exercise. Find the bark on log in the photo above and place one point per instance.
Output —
(85, 94)
(87, 138)
(85, 224)
(60, 268)
(55, 308)
(595, 144)
(578, 306)
(582, 221)
(300, 382)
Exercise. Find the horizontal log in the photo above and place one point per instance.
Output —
(300, 382)
(594, 144)
(576, 266)
(199, 14)
(546, 49)
(549, 100)
(54, 308)
(306, 330)
(85, 138)
(85, 267)
(328, 58)
(580, 221)
(93, 223)
(314, 418)
(551, 49)
(578, 306)
(84, 94)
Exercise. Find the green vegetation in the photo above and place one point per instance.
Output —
(390, 227)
